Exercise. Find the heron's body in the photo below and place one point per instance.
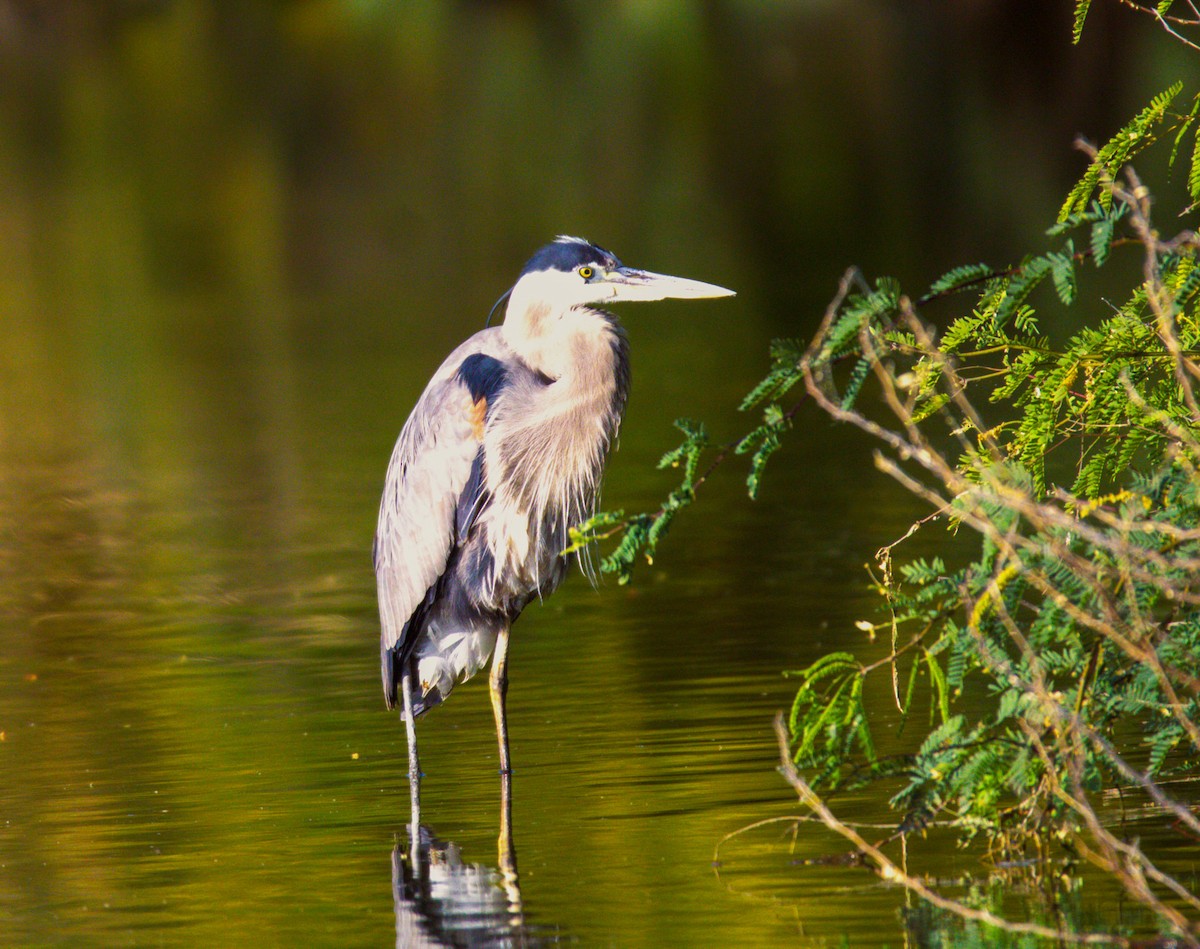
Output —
(501, 456)
(505, 486)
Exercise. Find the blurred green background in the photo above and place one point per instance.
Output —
(236, 239)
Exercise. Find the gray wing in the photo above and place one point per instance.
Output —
(432, 493)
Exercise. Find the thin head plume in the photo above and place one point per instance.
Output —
(495, 306)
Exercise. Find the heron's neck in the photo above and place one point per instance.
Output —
(598, 352)
(549, 436)
(570, 343)
(569, 422)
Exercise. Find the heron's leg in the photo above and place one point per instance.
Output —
(414, 765)
(498, 683)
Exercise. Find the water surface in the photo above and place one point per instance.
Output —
(235, 245)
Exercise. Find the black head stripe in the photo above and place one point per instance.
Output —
(566, 255)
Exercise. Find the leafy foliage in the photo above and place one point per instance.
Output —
(1075, 464)
(1079, 613)
(1030, 677)
(1081, 12)
(642, 532)
(1118, 151)
(828, 720)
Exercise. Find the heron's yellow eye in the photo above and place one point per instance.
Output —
(586, 272)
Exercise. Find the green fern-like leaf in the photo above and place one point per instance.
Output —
(591, 529)
(1161, 745)
(661, 522)
(827, 711)
(1062, 271)
(854, 384)
(622, 559)
(1118, 150)
(1193, 181)
(1081, 12)
(687, 454)
(1031, 273)
(1184, 126)
(962, 330)
(758, 463)
(1102, 238)
(956, 667)
(1090, 477)
(960, 277)
(1184, 282)
(785, 355)
(1025, 320)
(764, 441)
(929, 406)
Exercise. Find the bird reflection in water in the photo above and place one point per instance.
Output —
(442, 901)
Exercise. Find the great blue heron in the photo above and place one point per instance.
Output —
(502, 454)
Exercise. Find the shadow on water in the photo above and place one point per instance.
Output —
(441, 900)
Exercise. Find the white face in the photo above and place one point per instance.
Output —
(548, 311)
(560, 290)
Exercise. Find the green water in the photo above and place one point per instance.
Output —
(236, 240)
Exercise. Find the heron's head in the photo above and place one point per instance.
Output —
(549, 305)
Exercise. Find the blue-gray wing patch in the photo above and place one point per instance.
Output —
(483, 375)
(433, 493)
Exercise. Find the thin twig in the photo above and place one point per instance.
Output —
(1168, 23)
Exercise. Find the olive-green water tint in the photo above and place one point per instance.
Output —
(236, 239)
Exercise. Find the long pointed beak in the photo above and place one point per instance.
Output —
(629, 284)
